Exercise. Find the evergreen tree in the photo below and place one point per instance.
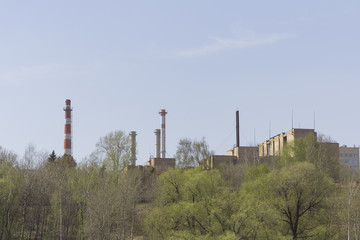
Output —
(52, 157)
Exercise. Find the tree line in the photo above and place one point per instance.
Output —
(43, 196)
(301, 194)
(297, 195)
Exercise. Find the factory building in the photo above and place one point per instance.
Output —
(245, 154)
(275, 145)
(349, 157)
(238, 155)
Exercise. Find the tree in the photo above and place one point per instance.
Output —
(296, 194)
(190, 204)
(111, 209)
(350, 199)
(322, 153)
(115, 148)
(189, 153)
(11, 185)
(52, 157)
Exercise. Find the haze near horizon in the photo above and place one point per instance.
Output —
(121, 62)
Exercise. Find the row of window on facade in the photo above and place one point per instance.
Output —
(348, 155)
(351, 161)
(354, 167)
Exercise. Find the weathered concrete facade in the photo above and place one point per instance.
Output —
(217, 161)
(247, 155)
(349, 157)
(275, 145)
(161, 163)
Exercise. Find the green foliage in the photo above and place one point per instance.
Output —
(52, 157)
(323, 155)
(190, 153)
(295, 196)
(11, 184)
(291, 197)
(256, 172)
(190, 204)
(115, 148)
(292, 200)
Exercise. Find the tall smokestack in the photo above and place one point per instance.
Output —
(237, 130)
(67, 131)
(163, 150)
(157, 143)
(132, 148)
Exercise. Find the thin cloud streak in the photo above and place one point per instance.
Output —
(24, 75)
(222, 44)
(21, 75)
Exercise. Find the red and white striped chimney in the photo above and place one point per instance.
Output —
(67, 131)
(163, 148)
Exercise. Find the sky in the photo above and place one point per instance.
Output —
(120, 62)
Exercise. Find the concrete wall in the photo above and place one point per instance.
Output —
(162, 163)
(275, 145)
(217, 161)
(349, 157)
(248, 155)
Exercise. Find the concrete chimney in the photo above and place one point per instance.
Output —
(132, 148)
(67, 130)
(163, 150)
(157, 143)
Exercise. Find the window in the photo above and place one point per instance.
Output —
(350, 166)
(341, 155)
(346, 155)
(355, 155)
(350, 161)
(356, 161)
(346, 161)
(356, 167)
(350, 155)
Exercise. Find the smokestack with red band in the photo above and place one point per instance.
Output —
(163, 150)
(237, 130)
(67, 132)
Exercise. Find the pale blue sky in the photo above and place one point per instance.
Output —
(120, 62)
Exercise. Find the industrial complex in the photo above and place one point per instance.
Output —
(344, 156)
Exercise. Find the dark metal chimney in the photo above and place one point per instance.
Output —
(237, 130)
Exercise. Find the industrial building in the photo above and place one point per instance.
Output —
(239, 154)
(349, 157)
(275, 145)
(346, 157)
(328, 152)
